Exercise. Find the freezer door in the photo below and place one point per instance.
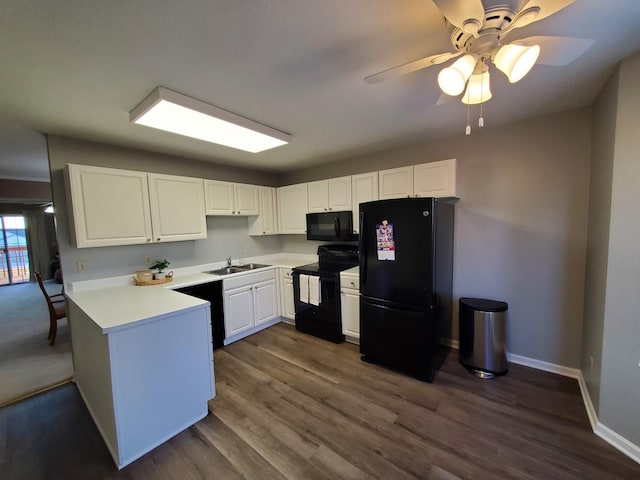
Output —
(406, 276)
(398, 336)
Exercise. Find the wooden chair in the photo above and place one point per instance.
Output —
(57, 309)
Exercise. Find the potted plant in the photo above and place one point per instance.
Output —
(160, 265)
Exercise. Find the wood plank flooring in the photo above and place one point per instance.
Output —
(291, 406)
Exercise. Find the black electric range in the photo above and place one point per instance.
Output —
(321, 317)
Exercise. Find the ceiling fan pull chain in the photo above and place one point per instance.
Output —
(467, 130)
(481, 119)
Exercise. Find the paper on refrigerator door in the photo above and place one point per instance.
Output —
(304, 288)
(385, 243)
(315, 296)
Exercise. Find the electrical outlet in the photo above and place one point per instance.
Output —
(148, 261)
(82, 265)
(591, 363)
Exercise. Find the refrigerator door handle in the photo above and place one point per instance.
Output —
(363, 252)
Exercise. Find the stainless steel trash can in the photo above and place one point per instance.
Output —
(482, 330)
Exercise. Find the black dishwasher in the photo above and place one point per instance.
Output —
(212, 292)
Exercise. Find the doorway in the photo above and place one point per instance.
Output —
(14, 257)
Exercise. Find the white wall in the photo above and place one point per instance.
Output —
(520, 223)
(227, 236)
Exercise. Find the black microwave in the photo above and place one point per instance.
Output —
(330, 226)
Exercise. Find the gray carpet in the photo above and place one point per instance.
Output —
(27, 361)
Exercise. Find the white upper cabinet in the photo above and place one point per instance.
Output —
(364, 188)
(265, 223)
(396, 182)
(339, 194)
(318, 193)
(109, 206)
(226, 198)
(177, 208)
(330, 195)
(293, 208)
(219, 197)
(435, 179)
(246, 199)
(121, 207)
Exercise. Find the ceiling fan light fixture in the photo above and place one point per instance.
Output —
(478, 89)
(453, 79)
(174, 112)
(515, 61)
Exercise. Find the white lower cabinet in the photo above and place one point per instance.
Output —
(250, 304)
(143, 383)
(350, 306)
(286, 291)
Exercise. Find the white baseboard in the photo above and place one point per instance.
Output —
(614, 439)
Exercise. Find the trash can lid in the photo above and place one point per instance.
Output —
(484, 305)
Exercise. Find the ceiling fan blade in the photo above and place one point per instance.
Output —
(458, 12)
(535, 10)
(558, 51)
(410, 67)
(444, 98)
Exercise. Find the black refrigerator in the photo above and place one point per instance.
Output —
(406, 272)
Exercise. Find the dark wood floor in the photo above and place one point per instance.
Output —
(291, 406)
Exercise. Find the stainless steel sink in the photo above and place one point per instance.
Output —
(253, 266)
(226, 270)
(236, 269)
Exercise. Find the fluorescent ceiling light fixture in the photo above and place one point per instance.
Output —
(177, 113)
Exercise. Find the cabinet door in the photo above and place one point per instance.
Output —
(318, 193)
(219, 197)
(350, 304)
(396, 183)
(177, 208)
(340, 194)
(238, 310)
(265, 301)
(289, 310)
(265, 223)
(246, 199)
(435, 179)
(109, 206)
(364, 188)
(293, 208)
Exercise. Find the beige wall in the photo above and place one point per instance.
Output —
(603, 146)
(620, 379)
(227, 236)
(520, 223)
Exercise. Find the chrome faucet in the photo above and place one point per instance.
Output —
(228, 261)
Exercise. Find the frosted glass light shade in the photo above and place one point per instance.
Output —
(453, 79)
(177, 113)
(478, 89)
(515, 61)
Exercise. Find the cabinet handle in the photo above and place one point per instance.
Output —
(158, 239)
(353, 284)
(330, 209)
(148, 239)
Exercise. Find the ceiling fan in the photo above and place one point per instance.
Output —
(478, 29)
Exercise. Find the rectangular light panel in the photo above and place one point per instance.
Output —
(177, 113)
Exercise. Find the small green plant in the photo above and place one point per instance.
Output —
(160, 265)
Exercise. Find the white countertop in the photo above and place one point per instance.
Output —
(115, 303)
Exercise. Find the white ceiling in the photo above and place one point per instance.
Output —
(77, 67)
